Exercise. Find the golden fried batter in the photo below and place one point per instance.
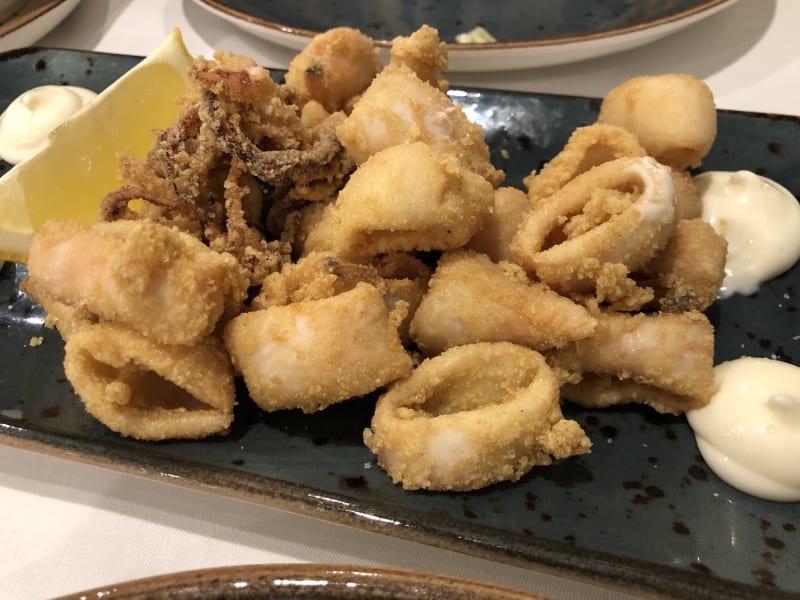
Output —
(147, 390)
(471, 299)
(472, 416)
(309, 355)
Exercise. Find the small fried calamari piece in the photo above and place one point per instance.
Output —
(619, 212)
(399, 108)
(586, 147)
(672, 352)
(150, 391)
(688, 272)
(405, 198)
(309, 355)
(672, 115)
(424, 53)
(602, 391)
(471, 299)
(470, 417)
(333, 68)
(509, 209)
(400, 277)
(161, 282)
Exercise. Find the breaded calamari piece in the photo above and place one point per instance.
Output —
(687, 274)
(499, 228)
(672, 115)
(472, 299)
(399, 108)
(620, 212)
(150, 391)
(472, 416)
(424, 53)
(335, 67)
(586, 147)
(309, 355)
(671, 352)
(384, 208)
(161, 282)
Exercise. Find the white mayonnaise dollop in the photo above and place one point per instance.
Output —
(759, 218)
(749, 433)
(26, 124)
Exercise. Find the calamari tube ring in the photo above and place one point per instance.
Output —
(149, 391)
(309, 355)
(474, 415)
(621, 211)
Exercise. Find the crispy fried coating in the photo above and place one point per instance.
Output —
(400, 108)
(586, 147)
(424, 53)
(620, 212)
(239, 148)
(472, 416)
(165, 284)
(672, 352)
(335, 67)
(509, 209)
(688, 272)
(471, 299)
(309, 355)
(672, 115)
(383, 209)
(147, 390)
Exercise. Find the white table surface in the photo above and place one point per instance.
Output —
(69, 526)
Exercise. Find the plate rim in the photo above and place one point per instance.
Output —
(592, 567)
(266, 576)
(20, 19)
(705, 7)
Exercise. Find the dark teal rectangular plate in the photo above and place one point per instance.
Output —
(641, 512)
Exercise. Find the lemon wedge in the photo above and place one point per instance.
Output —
(69, 177)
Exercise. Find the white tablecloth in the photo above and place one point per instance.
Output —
(69, 526)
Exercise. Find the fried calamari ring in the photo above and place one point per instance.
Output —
(309, 355)
(472, 299)
(587, 147)
(472, 416)
(671, 352)
(164, 283)
(383, 209)
(672, 115)
(150, 391)
(619, 212)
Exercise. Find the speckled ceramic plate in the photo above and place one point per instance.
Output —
(642, 511)
(296, 581)
(529, 33)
